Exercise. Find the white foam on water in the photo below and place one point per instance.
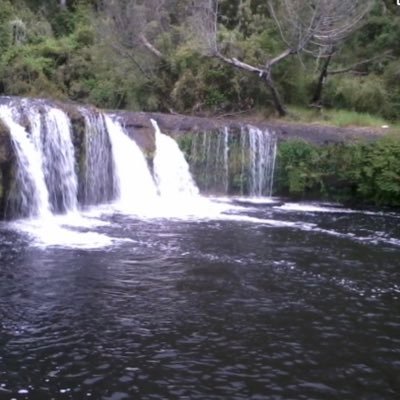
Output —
(256, 200)
(78, 230)
(307, 207)
(267, 221)
(54, 235)
(181, 208)
(334, 208)
(72, 230)
(80, 220)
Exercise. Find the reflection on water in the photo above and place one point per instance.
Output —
(255, 302)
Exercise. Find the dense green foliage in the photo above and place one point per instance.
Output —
(70, 53)
(360, 172)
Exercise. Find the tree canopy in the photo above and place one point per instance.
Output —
(205, 56)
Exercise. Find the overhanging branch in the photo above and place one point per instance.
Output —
(150, 47)
(353, 66)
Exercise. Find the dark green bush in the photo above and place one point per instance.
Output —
(362, 94)
(363, 172)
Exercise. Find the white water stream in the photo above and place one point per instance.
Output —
(135, 186)
(32, 197)
(171, 171)
(242, 160)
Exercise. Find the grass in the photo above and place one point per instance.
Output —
(340, 118)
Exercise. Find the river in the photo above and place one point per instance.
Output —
(244, 301)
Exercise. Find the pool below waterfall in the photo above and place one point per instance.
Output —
(240, 300)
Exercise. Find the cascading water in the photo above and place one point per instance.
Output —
(112, 168)
(29, 196)
(98, 184)
(262, 161)
(171, 171)
(225, 160)
(58, 159)
(242, 162)
(56, 169)
(209, 158)
(135, 186)
(46, 181)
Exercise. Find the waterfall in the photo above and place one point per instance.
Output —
(262, 161)
(98, 184)
(58, 159)
(225, 160)
(48, 177)
(134, 184)
(171, 171)
(228, 162)
(210, 161)
(29, 196)
(45, 180)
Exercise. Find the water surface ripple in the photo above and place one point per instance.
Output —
(207, 309)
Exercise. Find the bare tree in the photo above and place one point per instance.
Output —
(308, 25)
(144, 34)
(132, 27)
(305, 26)
(129, 26)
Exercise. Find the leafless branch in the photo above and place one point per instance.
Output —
(352, 67)
(150, 47)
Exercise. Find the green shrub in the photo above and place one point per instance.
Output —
(361, 172)
(295, 82)
(6, 12)
(392, 82)
(296, 162)
(365, 94)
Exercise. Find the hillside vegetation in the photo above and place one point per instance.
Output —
(171, 55)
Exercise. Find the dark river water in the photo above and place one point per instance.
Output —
(291, 302)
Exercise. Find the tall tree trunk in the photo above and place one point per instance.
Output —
(264, 74)
(276, 98)
(316, 100)
(63, 4)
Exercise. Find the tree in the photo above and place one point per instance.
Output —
(132, 26)
(146, 34)
(305, 27)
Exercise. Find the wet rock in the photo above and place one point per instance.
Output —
(5, 144)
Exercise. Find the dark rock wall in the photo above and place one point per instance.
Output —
(6, 157)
